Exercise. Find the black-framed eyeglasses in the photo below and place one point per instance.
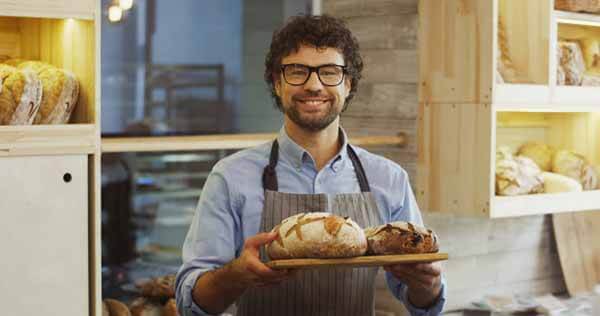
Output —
(298, 74)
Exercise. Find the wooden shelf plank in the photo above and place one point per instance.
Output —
(577, 18)
(47, 139)
(213, 142)
(531, 204)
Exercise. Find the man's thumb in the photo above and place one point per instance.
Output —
(260, 239)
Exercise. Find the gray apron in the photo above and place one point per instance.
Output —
(325, 291)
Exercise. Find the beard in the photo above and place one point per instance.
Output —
(314, 123)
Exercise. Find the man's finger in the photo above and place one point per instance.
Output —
(264, 272)
(258, 240)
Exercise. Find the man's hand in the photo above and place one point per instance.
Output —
(249, 271)
(424, 281)
(216, 290)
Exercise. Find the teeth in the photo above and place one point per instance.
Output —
(313, 102)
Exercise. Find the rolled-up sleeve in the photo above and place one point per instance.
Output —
(212, 240)
(408, 210)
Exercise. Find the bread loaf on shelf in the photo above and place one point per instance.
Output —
(20, 95)
(540, 153)
(60, 91)
(400, 238)
(575, 166)
(317, 235)
(160, 287)
(516, 175)
(556, 183)
(572, 62)
(115, 308)
(144, 307)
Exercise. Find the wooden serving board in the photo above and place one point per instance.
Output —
(578, 241)
(363, 261)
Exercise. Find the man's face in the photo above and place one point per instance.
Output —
(312, 106)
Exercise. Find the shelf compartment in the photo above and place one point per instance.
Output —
(48, 139)
(64, 43)
(581, 83)
(575, 131)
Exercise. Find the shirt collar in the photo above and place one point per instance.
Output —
(296, 153)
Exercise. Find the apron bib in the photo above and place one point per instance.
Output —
(326, 291)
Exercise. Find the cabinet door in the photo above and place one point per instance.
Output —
(44, 241)
(49, 9)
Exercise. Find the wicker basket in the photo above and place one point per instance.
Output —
(592, 6)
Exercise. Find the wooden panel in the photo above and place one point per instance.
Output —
(47, 139)
(456, 56)
(352, 8)
(389, 66)
(44, 221)
(455, 158)
(83, 9)
(393, 101)
(527, 30)
(10, 41)
(577, 236)
(385, 32)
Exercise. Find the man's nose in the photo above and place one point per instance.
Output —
(313, 83)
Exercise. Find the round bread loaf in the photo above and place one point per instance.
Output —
(400, 238)
(144, 307)
(116, 308)
(317, 235)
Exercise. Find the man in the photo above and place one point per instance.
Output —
(313, 68)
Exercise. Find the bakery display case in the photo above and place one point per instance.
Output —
(50, 171)
(506, 127)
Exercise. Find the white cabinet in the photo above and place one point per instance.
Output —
(44, 244)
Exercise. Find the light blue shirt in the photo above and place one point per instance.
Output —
(230, 207)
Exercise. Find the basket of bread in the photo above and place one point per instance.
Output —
(322, 239)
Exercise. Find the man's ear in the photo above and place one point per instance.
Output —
(348, 84)
(277, 85)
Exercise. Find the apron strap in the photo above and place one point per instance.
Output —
(269, 177)
(360, 171)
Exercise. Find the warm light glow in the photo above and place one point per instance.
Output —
(126, 4)
(115, 13)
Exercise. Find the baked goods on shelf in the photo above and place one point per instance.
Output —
(555, 183)
(112, 307)
(20, 95)
(400, 238)
(60, 91)
(539, 168)
(570, 62)
(317, 235)
(159, 287)
(540, 153)
(143, 307)
(516, 175)
(575, 166)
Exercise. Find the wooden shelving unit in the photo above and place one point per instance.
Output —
(488, 79)
(50, 173)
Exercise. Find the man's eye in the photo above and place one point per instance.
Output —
(298, 73)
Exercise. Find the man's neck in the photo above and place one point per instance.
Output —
(322, 145)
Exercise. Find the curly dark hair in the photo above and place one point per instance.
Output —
(318, 31)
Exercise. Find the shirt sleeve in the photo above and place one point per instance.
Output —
(408, 210)
(213, 239)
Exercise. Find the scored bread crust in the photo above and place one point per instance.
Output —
(400, 238)
(317, 235)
